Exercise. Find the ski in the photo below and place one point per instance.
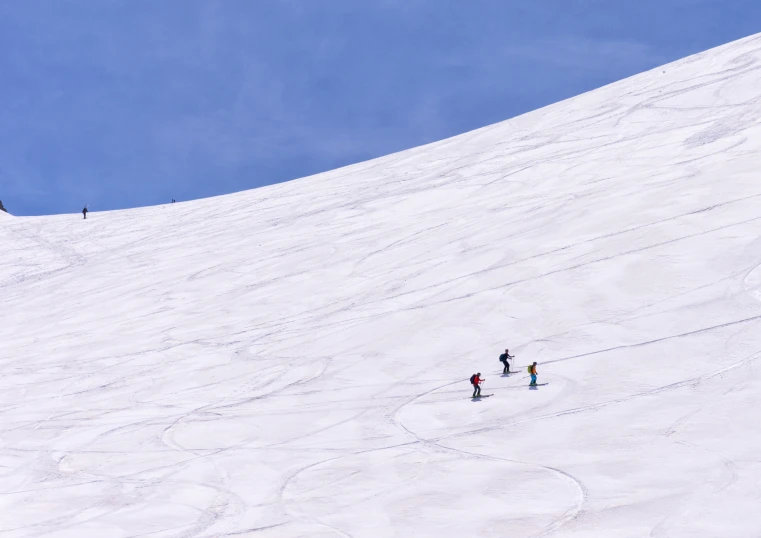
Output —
(482, 396)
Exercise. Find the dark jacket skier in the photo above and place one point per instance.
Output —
(84, 212)
(503, 359)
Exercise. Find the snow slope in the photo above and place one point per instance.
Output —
(293, 360)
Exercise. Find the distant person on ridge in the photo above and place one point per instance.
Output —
(503, 359)
(532, 371)
(476, 381)
(84, 212)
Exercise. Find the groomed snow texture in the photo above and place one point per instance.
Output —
(293, 361)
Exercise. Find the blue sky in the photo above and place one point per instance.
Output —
(124, 103)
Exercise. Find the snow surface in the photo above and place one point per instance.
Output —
(293, 360)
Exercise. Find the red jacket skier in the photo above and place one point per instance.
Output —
(476, 381)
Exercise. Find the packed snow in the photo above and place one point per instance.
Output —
(293, 361)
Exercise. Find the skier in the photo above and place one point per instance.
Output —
(532, 371)
(503, 359)
(476, 381)
(84, 212)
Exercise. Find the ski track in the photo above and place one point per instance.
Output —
(564, 518)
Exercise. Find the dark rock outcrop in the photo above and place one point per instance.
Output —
(1, 207)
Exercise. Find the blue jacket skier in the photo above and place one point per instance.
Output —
(532, 371)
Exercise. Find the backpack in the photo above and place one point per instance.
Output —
(529, 369)
(472, 378)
